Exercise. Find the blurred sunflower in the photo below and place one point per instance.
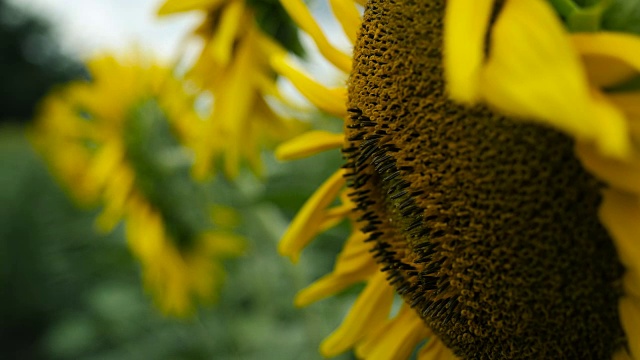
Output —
(492, 179)
(116, 141)
(233, 66)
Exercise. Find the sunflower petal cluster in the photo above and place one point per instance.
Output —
(119, 140)
(570, 68)
(233, 67)
(578, 82)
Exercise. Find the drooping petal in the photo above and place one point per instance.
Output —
(629, 103)
(621, 46)
(307, 144)
(367, 314)
(630, 319)
(397, 339)
(620, 214)
(621, 354)
(466, 24)
(623, 174)
(435, 349)
(533, 72)
(354, 264)
(223, 40)
(610, 58)
(303, 18)
(174, 6)
(348, 16)
(117, 193)
(305, 225)
(233, 105)
(327, 99)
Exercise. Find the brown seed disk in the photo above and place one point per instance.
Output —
(487, 226)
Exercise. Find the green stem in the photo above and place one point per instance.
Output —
(581, 19)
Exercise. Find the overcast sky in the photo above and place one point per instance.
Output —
(89, 26)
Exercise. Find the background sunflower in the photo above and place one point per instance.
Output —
(74, 293)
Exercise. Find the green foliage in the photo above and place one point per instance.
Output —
(31, 63)
(596, 15)
(163, 172)
(275, 21)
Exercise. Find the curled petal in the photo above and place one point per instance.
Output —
(354, 264)
(303, 18)
(310, 143)
(466, 24)
(621, 174)
(534, 72)
(367, 314)
(436, 350)
(308, 221)
(397, 338)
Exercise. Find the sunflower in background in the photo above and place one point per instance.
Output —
(119, 140)
(233, 67)
(492, 161)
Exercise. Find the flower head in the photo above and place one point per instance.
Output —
(501, 238)
(233, 67)
(117, 140)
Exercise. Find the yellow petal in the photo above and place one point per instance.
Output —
(174, 6)
(223, 40)
(103, 165)
(629, 104)
(233, 105)
(436, 350)
(621, 46)
(606, 71)
(610, 58)
(367, 314)
(631, 283)
(620, 174)
(354, 264)
(397, 338)
(465, 28)
(222, 244)
(335, 215)
(305, 21)
(348, 16)
(533, 72)
(116, 195)
(332, 101)
(308, 144)
(621, 354)
(306, 223)
(630, 319)
(620, 214)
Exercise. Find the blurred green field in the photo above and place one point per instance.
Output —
(69, 292)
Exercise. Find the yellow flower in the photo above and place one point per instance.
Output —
(233, 67)
(115, 141)
(510, 230)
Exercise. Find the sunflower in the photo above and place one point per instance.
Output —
(233, 67)
(116, 141)
(491, 179)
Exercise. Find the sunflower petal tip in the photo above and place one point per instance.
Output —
(286, 251)
(328, 347)
(281, 153)
(301, 299)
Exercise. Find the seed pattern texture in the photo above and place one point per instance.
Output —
(487, 226)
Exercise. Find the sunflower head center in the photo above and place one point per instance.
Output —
(488, 227)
